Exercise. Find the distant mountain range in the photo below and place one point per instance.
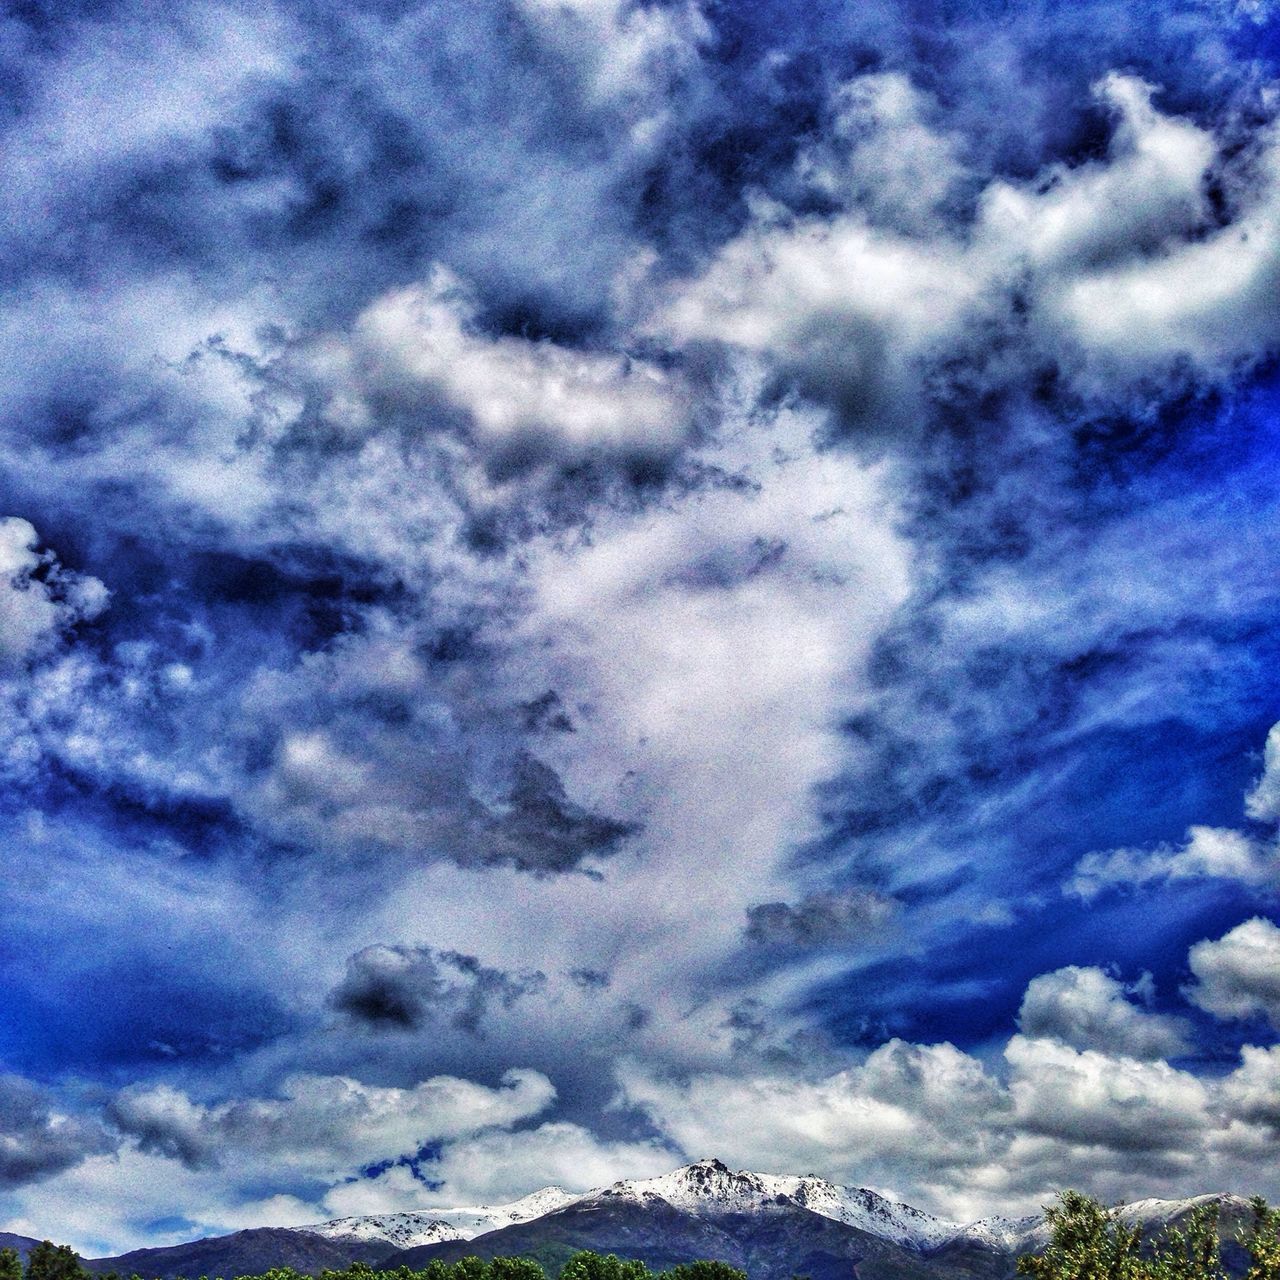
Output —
(773, 1227)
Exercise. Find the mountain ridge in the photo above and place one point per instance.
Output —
(703, 1209)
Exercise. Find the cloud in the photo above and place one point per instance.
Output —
(495, 1167)
(1111, 1101)
(1238, 975)
(1208, 852)
(37, 1139)
(822, 919)
(523, 401)
(39, 600)
(402, 988)
(1263, 800)
(1089, 1009)
(322, 1126)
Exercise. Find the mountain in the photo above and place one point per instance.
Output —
(245, 1253)
(771, 1240)
(433, 1226)
(772, 1226)
(21, 1245)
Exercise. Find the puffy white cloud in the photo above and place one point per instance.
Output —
(1117, 265)
(1238, 975)
(1089, 1098)
(1208, 852)
(1263, 800)
(39, 600)
(520, 398)
(882, 154)
(1089, 1009)
(1252, 1091)
(908, 1106)
(1147, 190)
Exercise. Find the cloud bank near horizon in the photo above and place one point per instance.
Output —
(584, 584)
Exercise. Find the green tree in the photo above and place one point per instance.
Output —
(704, 1270)
(10, 1265)
(1262, 1241)
(1192, 1251)
(593, 1266)
(516, 1269)
(1086, 1242)
(49, 1261)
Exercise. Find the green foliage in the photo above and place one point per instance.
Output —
(49, 1261)
(1262, 1241)
(10, 1265)
(703, 1270)
(581, 1266)
(593, 1266)
(1088, 1242)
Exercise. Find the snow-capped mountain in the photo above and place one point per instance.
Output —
(708, 1186)
(431, 1226)
(404, 1230)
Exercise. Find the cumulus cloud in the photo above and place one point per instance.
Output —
(402, 987)
(1238, 975)
(323, 1126)
(1089, 1009)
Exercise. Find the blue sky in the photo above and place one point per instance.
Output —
(585, 584)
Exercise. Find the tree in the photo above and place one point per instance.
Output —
(1086, 1242)
(516, 1269)
(10, 1265)
(703, 1270)
(49, 1261)
(592, 1266)
(1262, 1242)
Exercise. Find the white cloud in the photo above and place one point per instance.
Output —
(1238, 975)
(517, 395)
(1110, 1101)
(36, 610)
(1208, 852)
(1118, 265)
(1089, 1009)
(1263, 800)
(323, 1126)
(496, 1167)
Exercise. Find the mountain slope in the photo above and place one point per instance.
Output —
(245, 1253)
(21, 1245)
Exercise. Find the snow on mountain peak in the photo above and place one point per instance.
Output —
(432, 1226)
(710, 1186)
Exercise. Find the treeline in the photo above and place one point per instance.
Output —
(1090, 1242)
(49, 1261)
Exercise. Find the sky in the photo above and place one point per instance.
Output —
(586, 584)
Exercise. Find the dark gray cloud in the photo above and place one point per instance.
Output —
(821, 919)
(36, 1142)
(405, 988)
